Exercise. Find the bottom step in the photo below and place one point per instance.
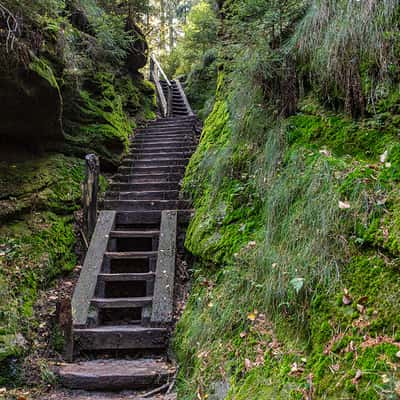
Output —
(115, 374)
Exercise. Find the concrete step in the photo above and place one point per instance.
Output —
(144, 195)
(113, 375)
(122, 302)
(133, 205)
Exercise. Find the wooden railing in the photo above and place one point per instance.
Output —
(156, 75)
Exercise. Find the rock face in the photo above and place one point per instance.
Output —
(138, 49)
(30, 110)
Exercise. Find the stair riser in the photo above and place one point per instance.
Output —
(155, 163)
(151, 339)
(173, 169)
(143, 151)
(136, 187)
(149, 195)
(138, 144)
(134, 205)
(166, 178)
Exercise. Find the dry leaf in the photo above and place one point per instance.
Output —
(357, 378)
(243, 334)
(383, 157)
(251, 316)
(344, 205)
(360, 308)
(248, 365)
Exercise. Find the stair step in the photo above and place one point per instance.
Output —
(142, 186)
(143, 195)
(162, 156)
(132, 205)
(155, 162)
(156, 169)
(134, 234)
(161, 149)
(165, 177)
(164, 145)
(120, 337)
(122, 302)
(151, 217)
(132, 277)
(129, 254)
(114, 375)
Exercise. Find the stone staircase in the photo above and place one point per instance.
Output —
(123, 304)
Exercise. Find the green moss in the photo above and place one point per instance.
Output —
(43, 69)
(37, 242)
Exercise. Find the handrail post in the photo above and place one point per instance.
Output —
(151, 78)
(169, 101)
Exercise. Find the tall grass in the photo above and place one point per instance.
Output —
(349, 48)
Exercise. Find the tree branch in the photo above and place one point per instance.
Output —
(11, 25)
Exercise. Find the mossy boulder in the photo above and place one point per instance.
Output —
(31, 107)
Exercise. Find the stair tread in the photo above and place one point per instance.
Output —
(112, 374)
(130, 254)
(127, 277)
(121, 328)
(129, 234)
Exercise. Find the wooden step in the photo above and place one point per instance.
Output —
(151, 217)
(132, 205)
(122, 302)
(143, 195)
(142, 186)
(120, 337)
(132, 277)
(160, 156)
(156, 169)
(164, 145)
(129, 254)
(164, 177)
(161, 149)
(160, 162)
(134, 234)
(113, 375)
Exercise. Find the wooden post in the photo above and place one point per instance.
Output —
(169, 102)
(151, 79)
(90, 191)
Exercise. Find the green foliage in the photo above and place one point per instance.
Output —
(351, 49)
(37, 247)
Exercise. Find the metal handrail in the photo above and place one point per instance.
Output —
(155, 71)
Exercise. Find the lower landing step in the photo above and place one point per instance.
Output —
(121, 338)
(112, 375)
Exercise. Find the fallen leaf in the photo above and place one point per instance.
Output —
(357, 378)
(252, 316)
(335, 367)
(248, 365)
(243, 334)
(383, 157)
(325, 152)
(344, 205)
(346, 299)
(360, 308)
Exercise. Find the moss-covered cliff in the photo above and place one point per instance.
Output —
(69, 85)
(295, 185)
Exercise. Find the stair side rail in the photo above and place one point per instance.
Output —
(156, 73)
